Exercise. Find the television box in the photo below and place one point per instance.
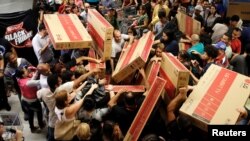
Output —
(152, 71)
(132, 88)
(93, 65)
(101, 31)
(134, 57)
(216, 97)
(175, 73)
(187, 24)
(145, 110)
(66, 31)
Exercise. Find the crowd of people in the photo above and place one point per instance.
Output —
(63, 86)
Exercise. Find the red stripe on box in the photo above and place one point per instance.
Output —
(176, 62)
(189, 25)
(147, 47)
(169, 87)
(129, 54)
(216, 92)
(132, 88)
(69, 28)
(145, 109)
(92, 55)
(153, 72)
(97, 37)
(101, 18)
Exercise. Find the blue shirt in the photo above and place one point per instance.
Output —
(199, 47)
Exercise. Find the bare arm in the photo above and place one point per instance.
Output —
(113, 100)
(83, 77)
(74, 93)
(71, 111)
(82, 58)
(42, 50)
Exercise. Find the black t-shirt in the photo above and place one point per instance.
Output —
(5, 43)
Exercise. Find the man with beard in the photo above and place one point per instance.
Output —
(13, 63)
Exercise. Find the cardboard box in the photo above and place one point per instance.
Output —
(184, 46)
(152, 71)
(216, 97)
(187, 24)
(135, 56)
(145, 110)
(93, 65)
(132, 88)
(101, 31)
(66, 31)
(175, 73)
(239, 8)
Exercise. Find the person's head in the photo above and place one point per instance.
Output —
(213, 10)
(42, 30)
(226, 38)
(195, 38)
(54, 81)
(183, 56)
(168, 36)
(142, 9)
(129, 101)
(111, 11)
(108, 129)
(62, 99)
(234, 20)
(22, 73)
(89, 103)
(71, 2)
(83, 131)
(221, 47)
(159, 49)
(117, 36)
(162, 15)
(44, 69)
(236, 33)
(86, 6)
(210, 53)
(74, 9)
(11, 58)
(132, 31)
(67, 76)
(198, 9)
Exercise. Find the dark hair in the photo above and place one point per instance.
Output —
(7, 55)
(65, 58)
(247, 50)
(235, 18)
(184, 55)
(162, 13)
(19, 73)
(151, 137)
(211, 51)
(52, 81)
(66, 76)
(129, 99)
(108, 128)
(229, 36)
(170, 34)
(89, 103)
(237, 29)
(41, 27)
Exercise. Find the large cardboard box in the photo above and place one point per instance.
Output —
(135, 56)
(216, 97)
(101, 31)
(145, 110)
(66, 31)
(175, 73)
(93, 65)
(152, 71)
(239, 8)
(130, 88)
(187, 24)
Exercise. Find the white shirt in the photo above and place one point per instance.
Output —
(117, 47)
(43, 81)
(38, 43)
(219, 31)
